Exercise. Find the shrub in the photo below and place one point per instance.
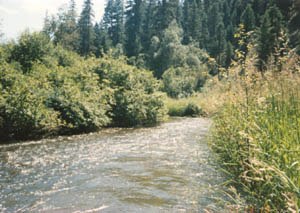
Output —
(192, 110)
(135, 97)
(30, 49)
(77, 96)
(23, 113)
(183, 82)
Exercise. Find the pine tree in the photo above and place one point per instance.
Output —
(248, 18)
(98, 40)
(264, 44)
(192, 24)
(134, 27)
(149, 27)
(294, 25)
(86, 31)
(169, 11)
(108, 18)
(49, 26)
(229, 53)
(118, 31)
(66, 33)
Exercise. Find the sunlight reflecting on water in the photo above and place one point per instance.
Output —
(161, 169)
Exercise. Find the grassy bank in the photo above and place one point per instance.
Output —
(183, 107)
(257, 137)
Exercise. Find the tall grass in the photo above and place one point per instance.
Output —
(257, 137)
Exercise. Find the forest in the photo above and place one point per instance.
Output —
(235, 61)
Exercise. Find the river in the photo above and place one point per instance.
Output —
(168, 168)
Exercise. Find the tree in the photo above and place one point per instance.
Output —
(85, 27)
(169, 12)
(30, 49)
(248, 18)
(113, 21)
(134, 27)
(268, 35)
(294, 25)
(118, 37)
(149, 27)
(192, 24)
(67, 34)
(229, 53)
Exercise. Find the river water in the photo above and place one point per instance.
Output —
(168, 168)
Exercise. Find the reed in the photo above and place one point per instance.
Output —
(257, 137)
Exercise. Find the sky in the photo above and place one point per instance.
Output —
(19, 15)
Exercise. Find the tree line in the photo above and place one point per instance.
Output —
(151, 32)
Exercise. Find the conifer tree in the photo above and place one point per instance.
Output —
(294, 25)
(248, 18)
(264, 44)
(149, 27)
(118, 31)
(86, 31)
(66, 33)
(134, 27)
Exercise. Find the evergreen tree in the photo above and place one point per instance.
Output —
(248, 18)
(294, 25)
(169, 11)
(118, 31)
(229, 53)
(108, 18)
(49, 26)
(264, 44)
(86, 31)
(134, 27)
(149, 27)
(66, 33)
(191, 21)
(98, 40)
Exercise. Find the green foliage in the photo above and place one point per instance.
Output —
(183, 107)
(60, 91)
(77, 97)
(248, 18)
(30, 49)
(182, 81)
(135, 97)
(268, 35)
(134, 26)
(23, 113)
(63, 28)
(170, 52)
(192, 110)
(86, 29)
(294, 24)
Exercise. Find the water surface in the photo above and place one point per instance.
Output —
(168, 168)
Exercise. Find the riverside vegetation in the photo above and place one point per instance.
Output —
(238, 63)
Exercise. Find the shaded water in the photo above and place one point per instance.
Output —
(162, 169)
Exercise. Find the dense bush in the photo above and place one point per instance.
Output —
(30, 49)
(135, 97)
(23, 112)
(183, 108)
(48, 92)
(77, 96)
(45, 92)
(182, 81)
